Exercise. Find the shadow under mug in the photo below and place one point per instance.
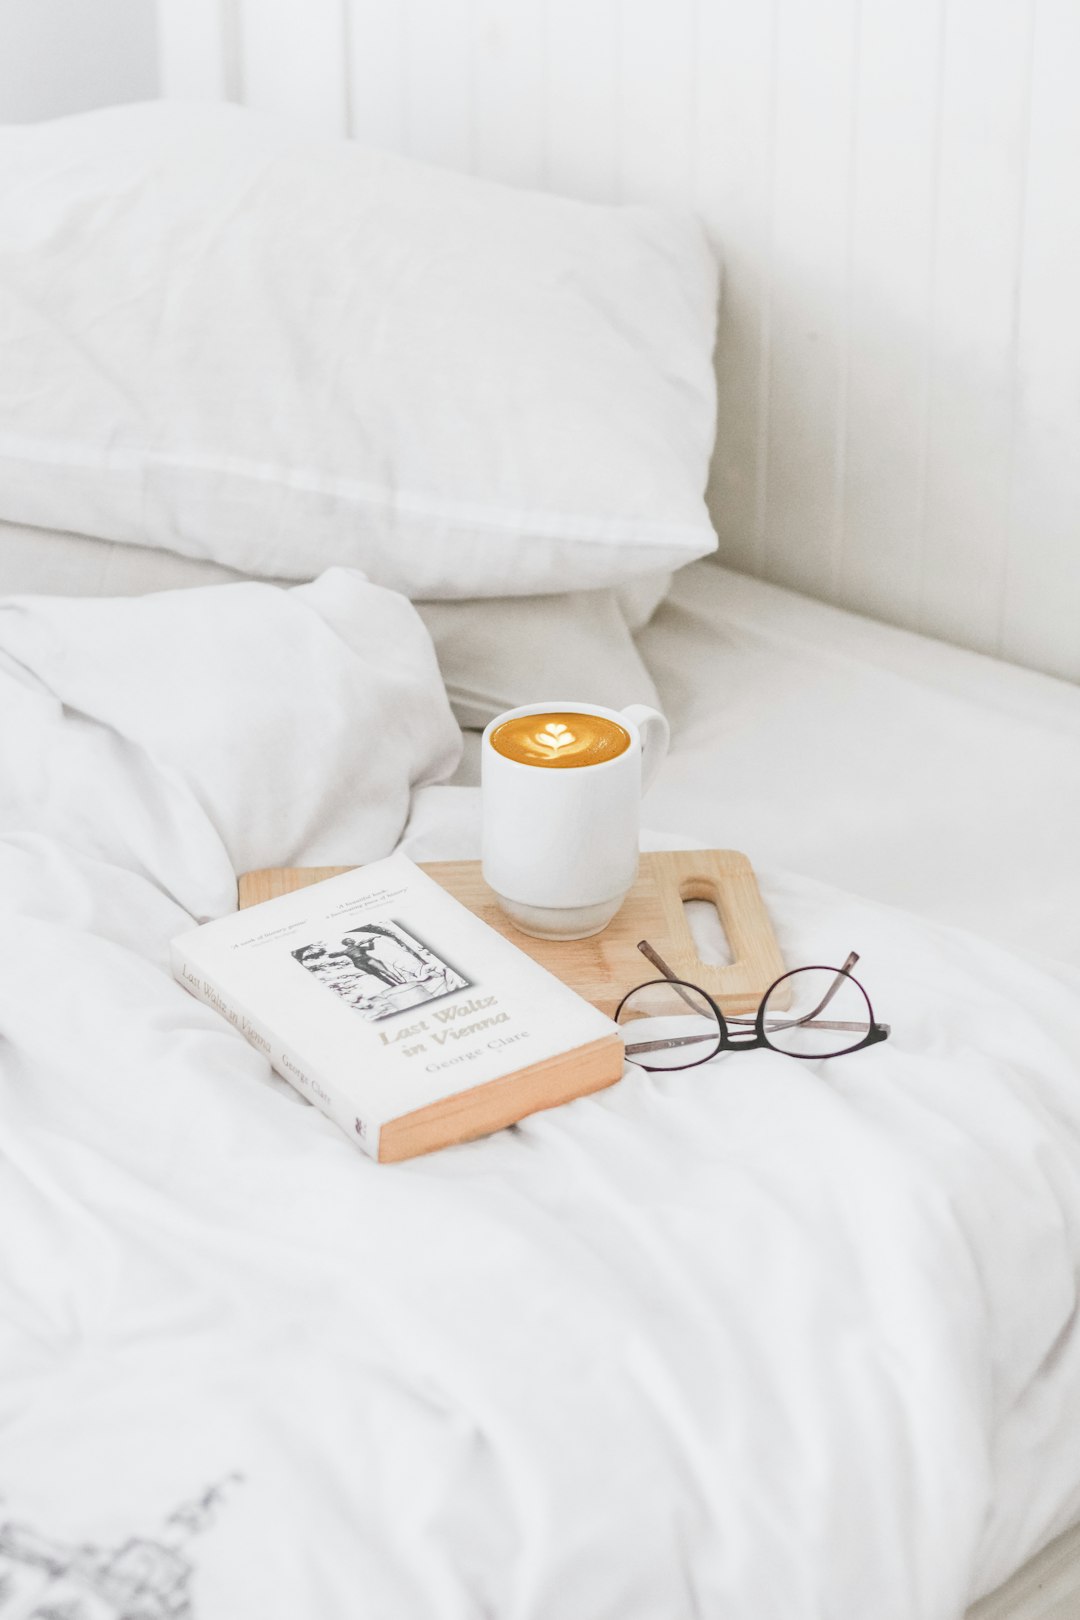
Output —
(560, 845)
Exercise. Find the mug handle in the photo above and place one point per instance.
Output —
(655, 736)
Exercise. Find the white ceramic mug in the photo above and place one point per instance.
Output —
(560, 846)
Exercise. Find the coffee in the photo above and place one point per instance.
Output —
(560, 740)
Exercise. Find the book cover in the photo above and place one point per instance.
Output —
(395, 1010)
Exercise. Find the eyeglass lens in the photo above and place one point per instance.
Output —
(669, 1025)
(816, 1012)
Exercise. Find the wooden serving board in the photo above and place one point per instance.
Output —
(604, 968)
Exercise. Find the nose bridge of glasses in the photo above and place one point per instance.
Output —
(742, 1040)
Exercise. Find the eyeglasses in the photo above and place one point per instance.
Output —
(671, 1024)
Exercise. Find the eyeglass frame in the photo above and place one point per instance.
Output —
(759, 1039)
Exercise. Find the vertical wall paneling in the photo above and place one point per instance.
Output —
(438, 101)
(509, 83)
(815, 66)
(196, 50)
(893, 192)
(1040, 603)
(984, 128)
(293, 61)
(732, 187)
(583, 98)
(658, 100)
(375, 36)
(890, 282)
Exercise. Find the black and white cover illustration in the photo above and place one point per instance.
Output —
(138, 1578)
(379, 969)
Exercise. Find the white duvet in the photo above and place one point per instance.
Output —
(766, 1339)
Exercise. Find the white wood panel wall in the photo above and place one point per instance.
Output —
(894, 191)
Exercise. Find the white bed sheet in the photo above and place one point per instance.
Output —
(775, 1346)
(745, 670)
(894, 766)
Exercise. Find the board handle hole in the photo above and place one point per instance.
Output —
(707, 932)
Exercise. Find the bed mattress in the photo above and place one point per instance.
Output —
(888, 764)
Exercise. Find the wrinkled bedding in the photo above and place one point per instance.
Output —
(768, 1339)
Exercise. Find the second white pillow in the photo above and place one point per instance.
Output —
(221, 338)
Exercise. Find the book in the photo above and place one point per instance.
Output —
(389, 1005)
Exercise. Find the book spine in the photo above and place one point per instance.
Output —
(314, 1087)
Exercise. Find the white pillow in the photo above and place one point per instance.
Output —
(223, 338)
(494, 652)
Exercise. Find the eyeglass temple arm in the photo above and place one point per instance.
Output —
(849, 963)
(653, 955)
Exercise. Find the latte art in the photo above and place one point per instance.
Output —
(560, 740)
